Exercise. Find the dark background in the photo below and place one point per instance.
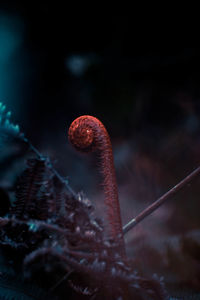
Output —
(57, 64)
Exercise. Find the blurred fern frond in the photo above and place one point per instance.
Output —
(7, 128)
(28, 189)
(12, 144)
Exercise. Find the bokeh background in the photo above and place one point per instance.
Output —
(56, 65)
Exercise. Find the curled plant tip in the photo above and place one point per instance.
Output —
(86, 134)
(51, 236)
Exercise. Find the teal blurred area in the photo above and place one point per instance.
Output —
(13, 62)
(11, 36)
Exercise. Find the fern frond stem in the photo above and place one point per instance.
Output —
(38, 224)
(151, 208)
(60, 178)
(87, 134)
(33, 148)
(60, 281)
(64, 181)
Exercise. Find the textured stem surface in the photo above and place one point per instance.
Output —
(86, 134)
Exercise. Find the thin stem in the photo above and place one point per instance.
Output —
(60, 178)
(151, 208)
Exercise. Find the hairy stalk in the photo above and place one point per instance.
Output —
(86, 134)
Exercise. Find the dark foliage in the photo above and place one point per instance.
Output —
(50, 237)
(52, 245)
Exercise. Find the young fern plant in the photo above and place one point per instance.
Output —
(55, 235)
(86, 134)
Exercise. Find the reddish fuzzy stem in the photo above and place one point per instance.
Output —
(86, 134)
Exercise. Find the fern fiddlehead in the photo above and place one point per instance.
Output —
(87, 133)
